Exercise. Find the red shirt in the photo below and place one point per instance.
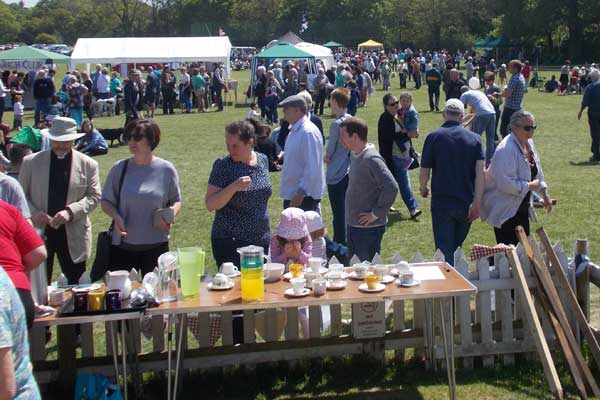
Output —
(526, 71)
(17, 239)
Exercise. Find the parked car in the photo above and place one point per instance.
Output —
(56, 48)
(38, 45)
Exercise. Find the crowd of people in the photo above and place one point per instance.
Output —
(54, 183)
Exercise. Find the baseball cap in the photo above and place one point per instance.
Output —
(454, 106)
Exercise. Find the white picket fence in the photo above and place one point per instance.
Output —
(488, 327)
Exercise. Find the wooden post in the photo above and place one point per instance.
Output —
(67, 364)
(529, 313)
(504, 311)
(583, 280)
(484, 310)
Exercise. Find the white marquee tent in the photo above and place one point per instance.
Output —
(152, 49)
(320, 52)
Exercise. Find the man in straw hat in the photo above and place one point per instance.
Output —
(62, 187)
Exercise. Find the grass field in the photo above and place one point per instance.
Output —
(192, 142)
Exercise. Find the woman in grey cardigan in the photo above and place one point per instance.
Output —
(515, 171)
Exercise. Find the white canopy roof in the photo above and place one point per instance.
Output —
(320, 52)
(152, 49)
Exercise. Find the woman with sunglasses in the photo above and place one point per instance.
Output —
(394, 133)
(148, 201)
(514, 173)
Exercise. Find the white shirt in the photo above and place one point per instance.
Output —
(103, 83)
(479, 101)
(302, 171)
(18, 109)
(3, 90)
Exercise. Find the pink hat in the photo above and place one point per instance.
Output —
(292, 224)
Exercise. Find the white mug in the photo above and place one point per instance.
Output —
(361, 270)
(220, 280)
(310, 276)
(406, 277)
(298, 285)
(315, 263)
(228, 268)
(380, 270)
(336, 267)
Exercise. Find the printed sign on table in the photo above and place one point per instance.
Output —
(368, 320)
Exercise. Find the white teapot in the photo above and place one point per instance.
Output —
(119, 280)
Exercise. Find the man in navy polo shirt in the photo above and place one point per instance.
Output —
(456, 157)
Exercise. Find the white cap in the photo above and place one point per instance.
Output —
(454, 106)
(314, 222)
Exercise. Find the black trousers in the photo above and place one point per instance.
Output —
(506, 233)
(56, 244)
(433, 91)
(506, 114)
(28, 305)
(167, 95)
(308, 204)
(144, 261)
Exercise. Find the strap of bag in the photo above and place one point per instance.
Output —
(121, 179)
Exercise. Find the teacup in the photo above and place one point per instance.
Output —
(361, 270)
(406, 277)
(380, 270)
(336, 267)
(319, 286)
(296, 270)
(273, 271)
(298, 285)
(372, 280)
(228, 268)
(334, 278)
(220, 280)
(315, 263)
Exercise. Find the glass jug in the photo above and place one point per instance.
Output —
(251, 265)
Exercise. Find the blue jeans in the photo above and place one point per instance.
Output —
(401, 176)
(41, 107)
(450, 229)
(187, 100)
(337, 198)
(487, 123)
(364, 242)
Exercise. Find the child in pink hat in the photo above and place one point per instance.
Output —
(291, 243)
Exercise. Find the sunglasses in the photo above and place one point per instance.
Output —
(529, 128)
(393, 104)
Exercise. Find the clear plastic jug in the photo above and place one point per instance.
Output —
(251, 265)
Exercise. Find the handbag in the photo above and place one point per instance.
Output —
(415, 156)
(104, 240)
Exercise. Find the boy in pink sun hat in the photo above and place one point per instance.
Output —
(291, 243)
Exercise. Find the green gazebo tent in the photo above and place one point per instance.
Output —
(281, 51)
(26, 53)
(331, 43)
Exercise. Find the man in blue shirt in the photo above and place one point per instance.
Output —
(591, 101)
(456, 157)
(514, 93)
(302, 176)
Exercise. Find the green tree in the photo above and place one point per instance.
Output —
(9, 27)
(45, 38)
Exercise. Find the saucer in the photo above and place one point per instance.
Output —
(415, 282)
(387, 279)
(290, 292)
(364, 288)
(233, 274)
(288, 275)
(336, 287)
(227, 287)
(86, 287)
(352, 275)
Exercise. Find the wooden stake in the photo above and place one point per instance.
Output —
(550, 289)
(562, 339)
(569, 298)
(533, 320)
